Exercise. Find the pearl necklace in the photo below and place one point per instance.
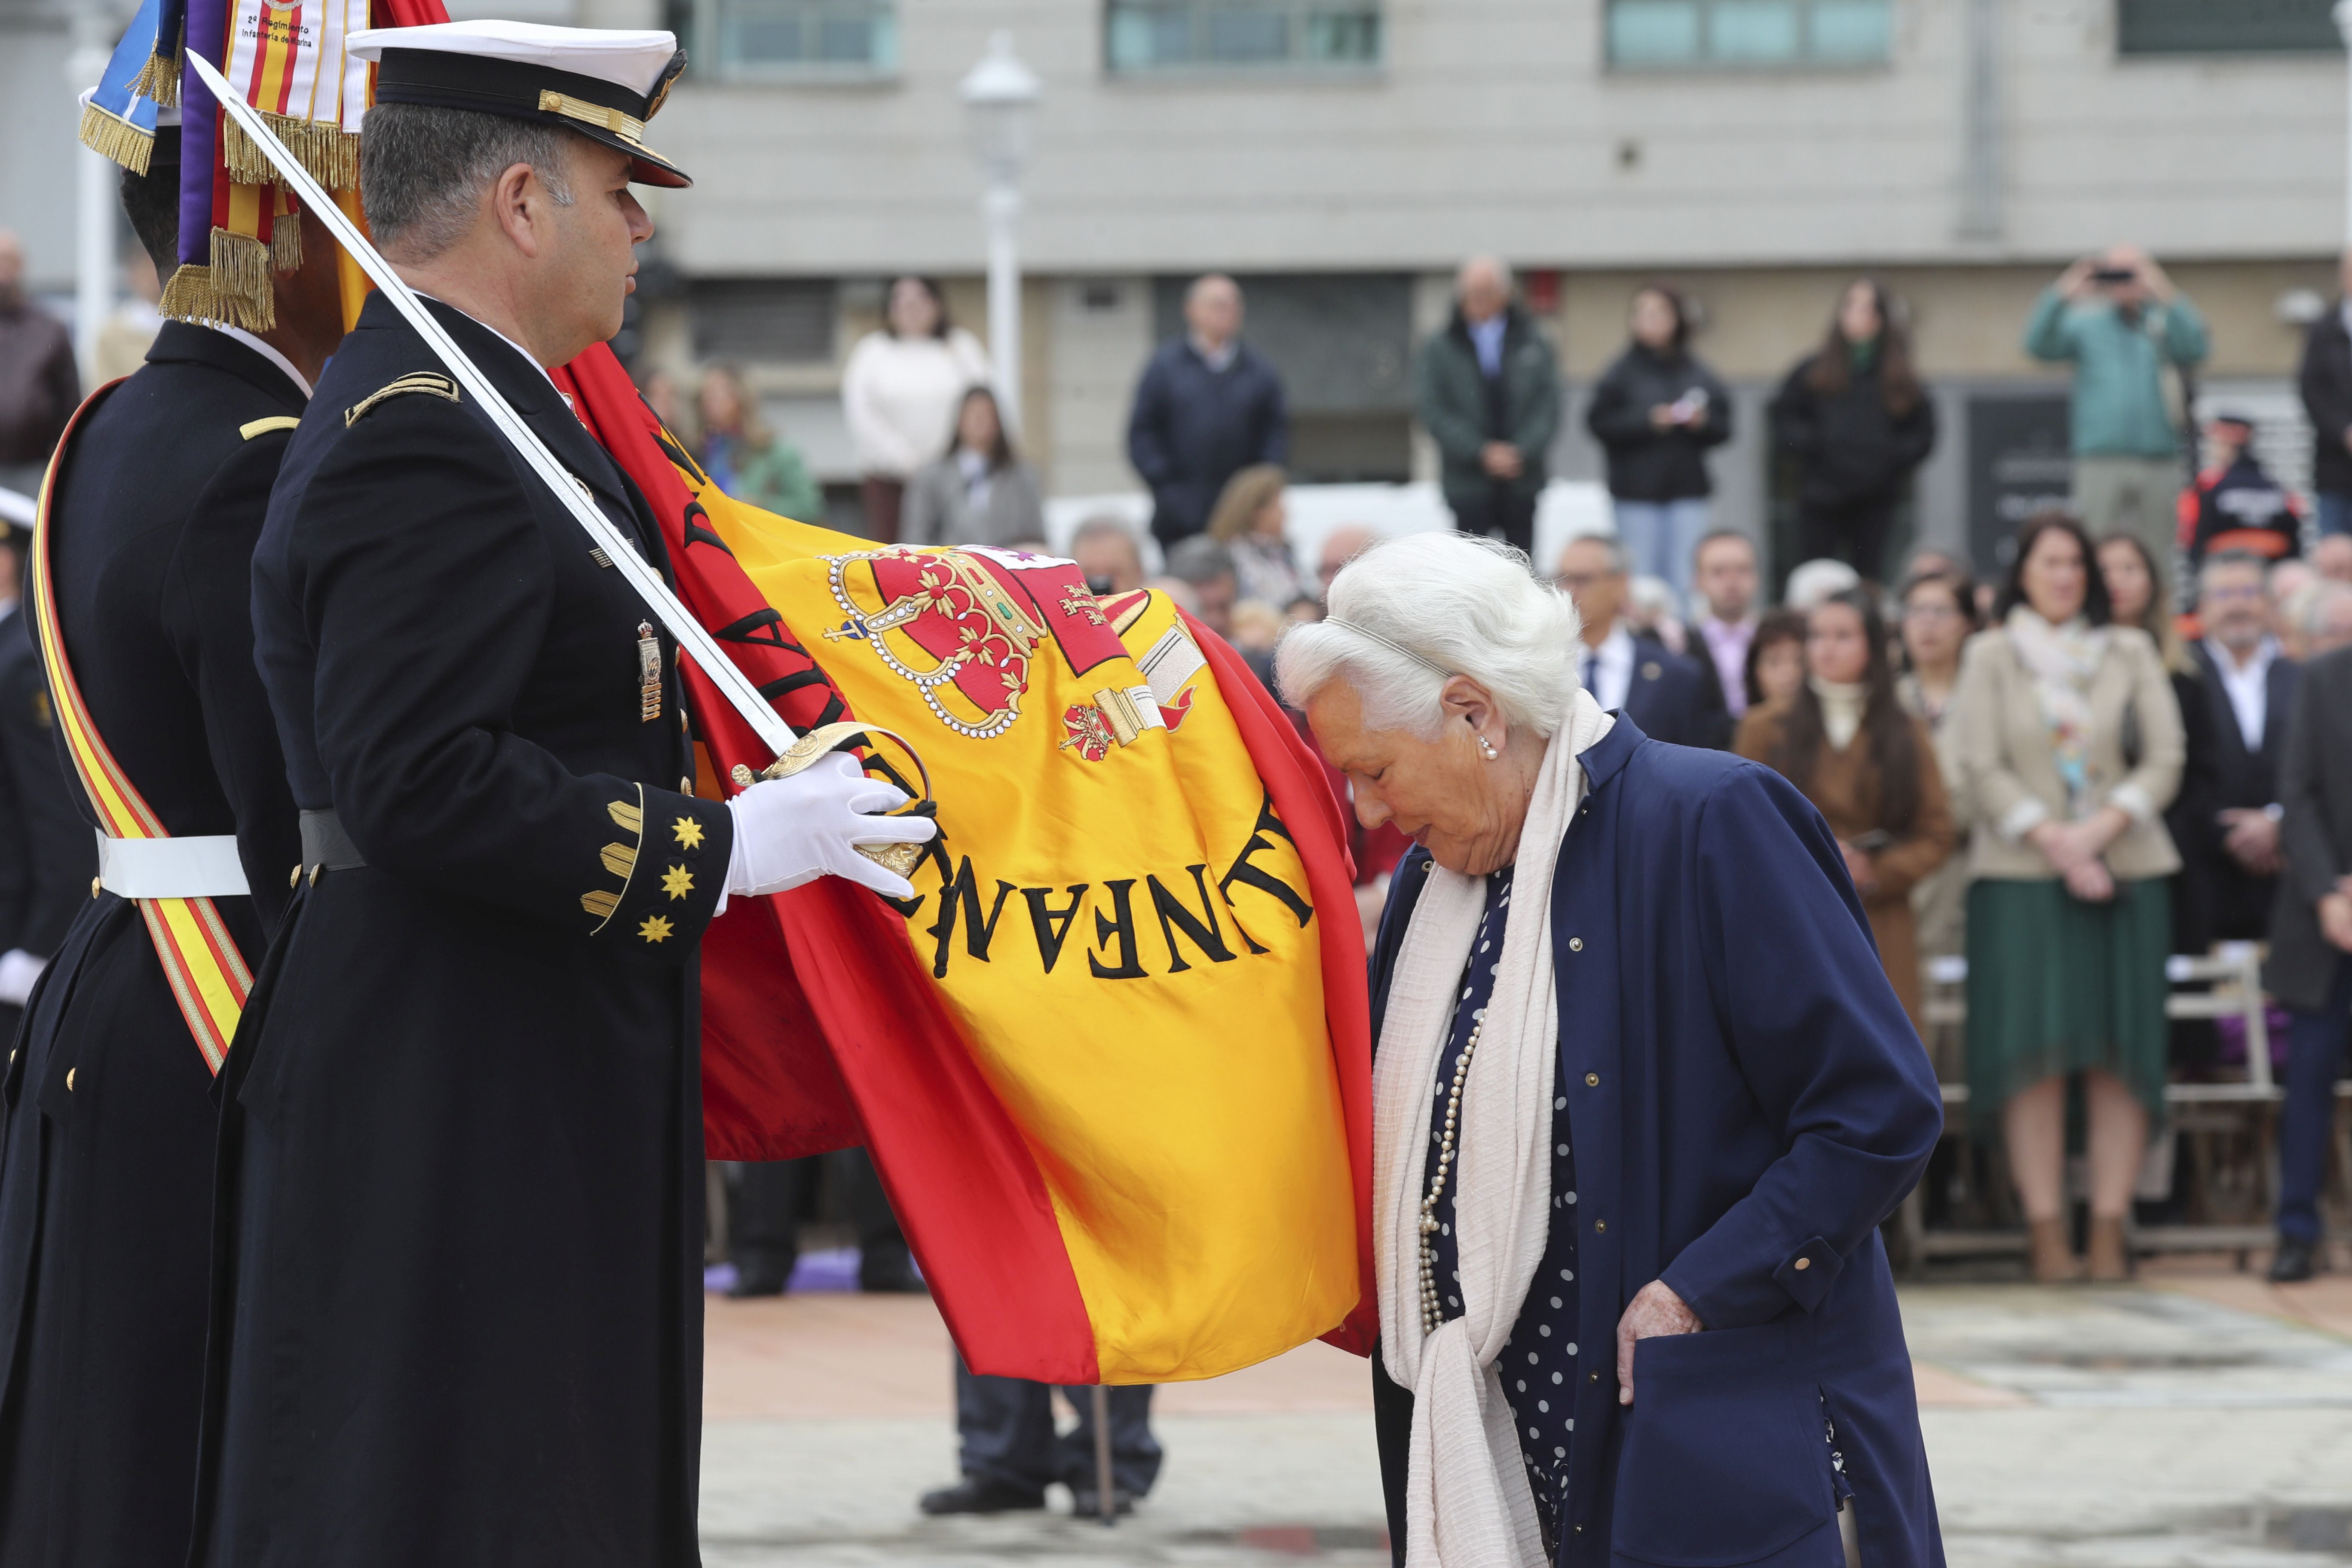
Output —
(1432, 1318)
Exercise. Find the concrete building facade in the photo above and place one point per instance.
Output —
(1341, 155)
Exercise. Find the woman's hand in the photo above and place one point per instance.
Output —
(1654, 1312)
(2091, 881)
(1859, 866)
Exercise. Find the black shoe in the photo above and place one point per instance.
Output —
(1087, 1503)
(2294, 1261)
(750, 1283)
(889, 1275)
(978, 1494)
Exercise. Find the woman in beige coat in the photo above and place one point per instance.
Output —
(2068, 737)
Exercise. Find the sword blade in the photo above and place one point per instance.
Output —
(699, 644)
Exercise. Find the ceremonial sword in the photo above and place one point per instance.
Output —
(793, 753)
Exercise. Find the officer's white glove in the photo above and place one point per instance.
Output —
(795, 830)
(19, 969)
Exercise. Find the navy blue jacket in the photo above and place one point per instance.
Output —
(1749, 1101)
(1677, 697)
(1194, 427)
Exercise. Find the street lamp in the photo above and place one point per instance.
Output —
(2344, 26)
(1000, 98)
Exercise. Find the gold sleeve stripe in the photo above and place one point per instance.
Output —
(600, 904)
(620, 859)
(626, 815)
(252, 427)
(416, 380)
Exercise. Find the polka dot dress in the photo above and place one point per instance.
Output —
(1539, 1366)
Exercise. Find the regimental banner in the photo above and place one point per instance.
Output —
(1112, 1058)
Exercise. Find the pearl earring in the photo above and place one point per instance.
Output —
(1487, 746)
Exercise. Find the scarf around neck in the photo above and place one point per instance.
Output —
(1468, 1503)
(2063, 660)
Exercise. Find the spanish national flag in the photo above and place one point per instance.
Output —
(1113, 1059)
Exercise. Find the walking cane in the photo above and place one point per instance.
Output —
(1102, 1456)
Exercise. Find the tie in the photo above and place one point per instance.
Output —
(1592, 673)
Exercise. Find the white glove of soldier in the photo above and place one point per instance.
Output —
(792, 831)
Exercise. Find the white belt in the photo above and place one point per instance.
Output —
(203, 866)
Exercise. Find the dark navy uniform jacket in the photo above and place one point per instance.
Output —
(1748, 1102)
(462, 1148)
(106, 1174)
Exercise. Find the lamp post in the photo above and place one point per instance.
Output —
(94, 199)
(1000, 98)
(2344, 26)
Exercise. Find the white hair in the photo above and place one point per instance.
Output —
(1815, 581)
(1448, 604)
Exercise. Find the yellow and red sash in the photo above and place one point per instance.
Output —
(207, 973)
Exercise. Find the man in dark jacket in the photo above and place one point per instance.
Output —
(2248, 691)
(2235, 505)
(2325, 382)
(1206, 408)
(106, 1187)
(1672, 698)
(2310, 935)
(38, 384)
(1487, 391)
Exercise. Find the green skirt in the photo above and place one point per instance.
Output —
(2057, 986)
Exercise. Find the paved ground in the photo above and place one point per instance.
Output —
(2201, 1418)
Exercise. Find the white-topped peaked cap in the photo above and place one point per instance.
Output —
(604, 83)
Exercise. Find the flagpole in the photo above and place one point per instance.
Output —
(732, 682)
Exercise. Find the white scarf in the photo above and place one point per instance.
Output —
(1466, 1503)
(2063, 660)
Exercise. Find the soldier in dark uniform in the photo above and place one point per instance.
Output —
(46, 856)
(106, 1185)
(462, 1136)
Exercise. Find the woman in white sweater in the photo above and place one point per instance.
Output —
(899, 392)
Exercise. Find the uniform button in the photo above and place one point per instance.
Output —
(1576, 944)
(95, 884)
(69, 1072)
(1580, 1530)
(684, 785)
(1592, 1080)
(1804, 1263)
(294, 877)
(1599, 1224)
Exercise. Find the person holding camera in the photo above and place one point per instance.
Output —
(2121, 321)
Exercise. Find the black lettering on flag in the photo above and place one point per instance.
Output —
(1264, 881)
(1174, 916)
(1053, 926)
(1123, 928)
(977, 934)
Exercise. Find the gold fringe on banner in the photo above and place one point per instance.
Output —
(285, 242)
(243, 283)
(160, 79)
(329, 152)
(188, 295)
(117, 139)
(234, 291)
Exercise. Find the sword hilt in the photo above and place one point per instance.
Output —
(901, 858)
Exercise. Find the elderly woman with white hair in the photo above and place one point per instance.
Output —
(1642, 1096)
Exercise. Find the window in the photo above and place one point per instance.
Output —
(803, 39)
(1681, 33)
(2225, 26)
(1147, 35)
(781, 321)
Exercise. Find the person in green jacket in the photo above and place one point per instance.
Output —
(2121, 321)
(746, 459)
(1486, 389)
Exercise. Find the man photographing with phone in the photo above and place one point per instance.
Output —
(2121, 321)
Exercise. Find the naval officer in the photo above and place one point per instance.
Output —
(464, 1148)
(142, 595)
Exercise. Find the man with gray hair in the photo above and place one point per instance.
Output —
(1208, 406)
(1487, 391)
(460, 1272)
(1673, 697)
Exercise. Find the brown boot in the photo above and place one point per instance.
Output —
(2053, 1259)
(2110, 1261)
